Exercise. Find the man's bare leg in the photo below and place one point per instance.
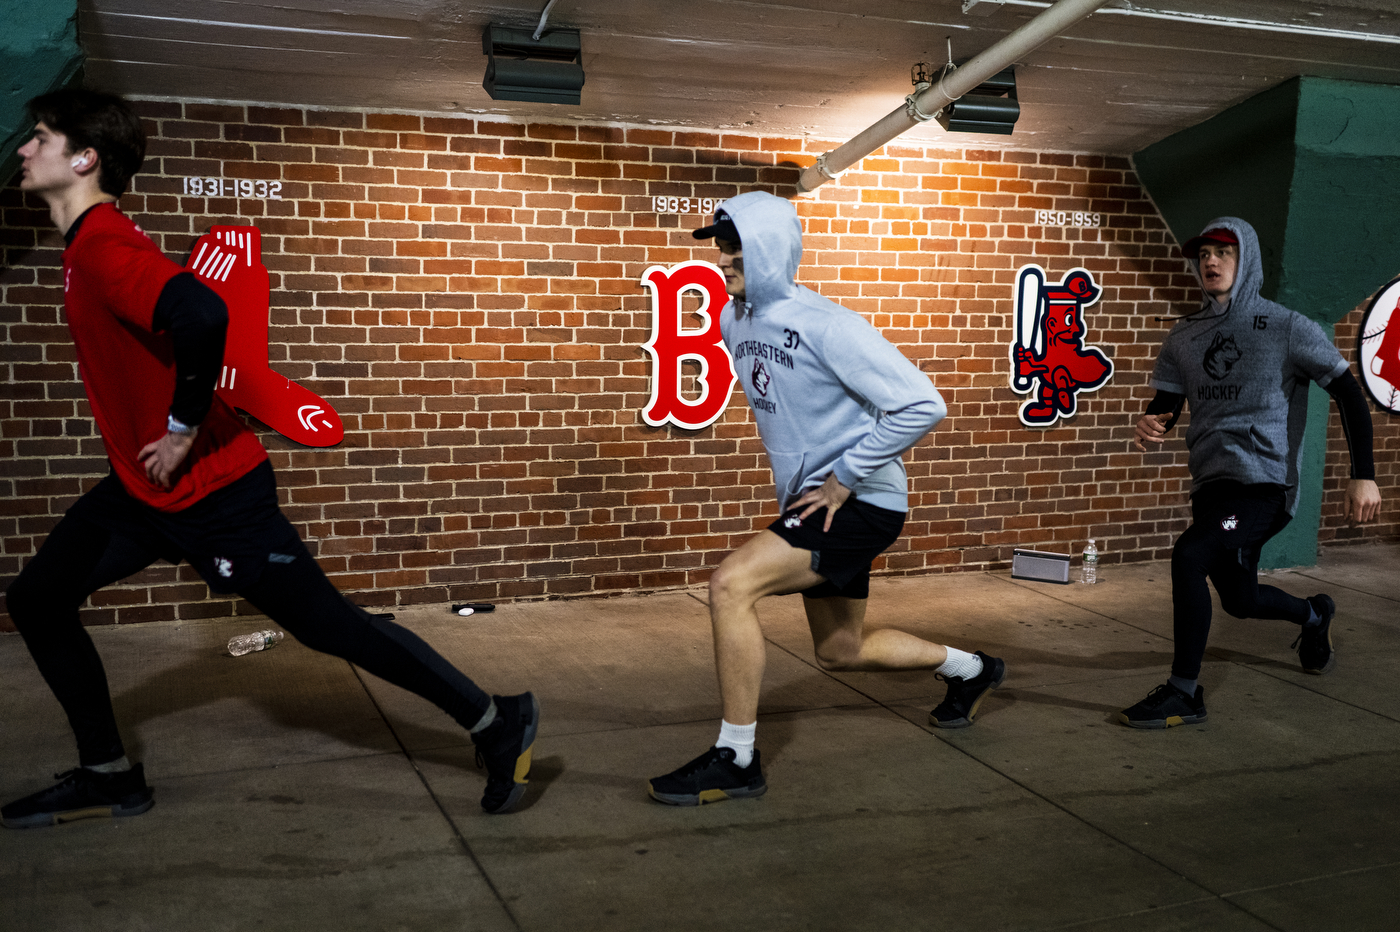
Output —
(766, 565)
(842, 643)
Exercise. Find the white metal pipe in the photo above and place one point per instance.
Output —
(928, 102)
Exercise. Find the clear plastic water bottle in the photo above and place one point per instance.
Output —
(247, 643)
(1089, 573)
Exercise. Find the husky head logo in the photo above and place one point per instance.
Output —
(761, 378)
(791, 521)
(223, 566)
(1221, 357)
(1230, 523)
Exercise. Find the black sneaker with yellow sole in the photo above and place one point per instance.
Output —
(505, 748)
(710, 778)
(1164, 707)
(964, 696)
(1314, 642)
(82, 794)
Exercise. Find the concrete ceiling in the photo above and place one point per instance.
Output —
(1124, 78)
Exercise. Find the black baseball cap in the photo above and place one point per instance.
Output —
(722, 228)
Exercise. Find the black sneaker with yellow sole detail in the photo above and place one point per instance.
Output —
(1314, 642)
(505, 748)
(82, 794)
(1165, 707)
(710, 778)
(964, 697)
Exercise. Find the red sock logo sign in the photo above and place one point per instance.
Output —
(670, 345)
(1048, 355)
(1380, 348)
(229, 260)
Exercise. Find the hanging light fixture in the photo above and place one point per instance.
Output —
(990, 107)
(545, 67)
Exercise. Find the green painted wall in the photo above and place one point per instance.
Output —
(1343, 239)
(39, 53)
(1314, 165)
(1238, 163)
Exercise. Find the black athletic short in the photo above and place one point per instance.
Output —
(860, 532)
(228, 536)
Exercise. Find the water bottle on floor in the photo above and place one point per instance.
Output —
(1089, 573)
(247, 643)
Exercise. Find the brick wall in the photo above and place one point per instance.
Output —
(467, 295)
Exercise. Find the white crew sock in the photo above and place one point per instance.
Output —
(1186, 686)
(120, 765)
(486, 719)
(738, 737)
(961, 664)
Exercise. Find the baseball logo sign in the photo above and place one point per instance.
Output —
(1379, 350)
(671, 344)
(1049, 358)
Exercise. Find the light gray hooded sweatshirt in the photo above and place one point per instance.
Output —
(829, 393)
(1244, 370)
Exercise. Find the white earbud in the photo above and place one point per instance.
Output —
(80, 162)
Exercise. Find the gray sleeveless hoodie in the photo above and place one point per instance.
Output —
(829, 393)
(1244, 370)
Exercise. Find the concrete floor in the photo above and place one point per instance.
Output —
(296, 792)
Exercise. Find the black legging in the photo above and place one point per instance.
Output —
(81, 556)
(1230, 524)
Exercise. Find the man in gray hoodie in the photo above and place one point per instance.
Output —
(836, 405)
(1244, 363)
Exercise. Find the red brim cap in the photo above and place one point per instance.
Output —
(1218, 235)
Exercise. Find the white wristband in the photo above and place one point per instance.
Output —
(175, 427)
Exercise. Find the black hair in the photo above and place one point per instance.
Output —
(94, 120)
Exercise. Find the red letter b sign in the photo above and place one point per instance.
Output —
(669, 345)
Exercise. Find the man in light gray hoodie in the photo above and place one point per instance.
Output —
(1244, 364)
(836, 405)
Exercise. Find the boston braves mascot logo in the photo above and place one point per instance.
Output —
(1048, 356)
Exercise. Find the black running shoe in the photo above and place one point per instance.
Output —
(1314, 642)
(1166, 706)
(82, 794)
(959, 706)
(710, 778)
(504, 748)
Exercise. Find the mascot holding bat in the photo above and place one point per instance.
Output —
(1049, 356)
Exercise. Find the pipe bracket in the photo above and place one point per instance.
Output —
(821, 167)
(911, 105)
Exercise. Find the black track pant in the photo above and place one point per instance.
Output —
(1230, 524)
(81, 556)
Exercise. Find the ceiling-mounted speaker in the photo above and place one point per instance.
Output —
(990, 107)
(520, 67)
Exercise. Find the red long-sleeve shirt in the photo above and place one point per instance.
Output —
(112, 277)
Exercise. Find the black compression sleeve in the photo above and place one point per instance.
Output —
(197, 320)
(1356, 423)
(1167, 403)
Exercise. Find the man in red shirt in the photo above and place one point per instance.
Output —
(189, 481)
